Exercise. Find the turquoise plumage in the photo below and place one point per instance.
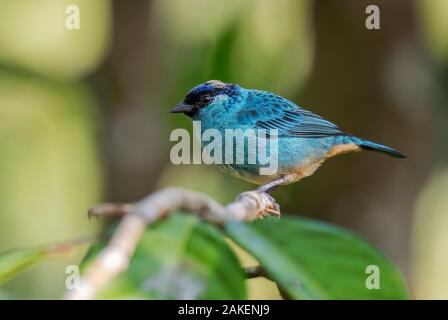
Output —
(305, 140)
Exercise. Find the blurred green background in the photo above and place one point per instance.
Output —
(84, 116)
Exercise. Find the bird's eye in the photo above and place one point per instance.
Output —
(205, 100)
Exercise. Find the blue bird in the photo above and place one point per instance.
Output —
(305, 140)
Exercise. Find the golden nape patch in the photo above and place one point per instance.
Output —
(342, 148)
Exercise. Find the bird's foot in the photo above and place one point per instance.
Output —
(273, 208)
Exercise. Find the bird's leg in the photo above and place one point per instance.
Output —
(268, 187)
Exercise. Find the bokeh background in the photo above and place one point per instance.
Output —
(84, 116)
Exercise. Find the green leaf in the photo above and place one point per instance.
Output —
(178, 258)
(314, 260)
(5, 296)
(13, 262)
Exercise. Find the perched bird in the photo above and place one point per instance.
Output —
(305, 140)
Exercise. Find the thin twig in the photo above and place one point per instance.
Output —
(110, 210)
(115, 258)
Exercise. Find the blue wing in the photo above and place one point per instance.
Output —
(265, 110)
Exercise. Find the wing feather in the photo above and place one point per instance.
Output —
(266, 110)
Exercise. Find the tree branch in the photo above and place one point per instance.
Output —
(116, 256)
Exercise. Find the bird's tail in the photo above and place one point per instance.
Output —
(373, 146)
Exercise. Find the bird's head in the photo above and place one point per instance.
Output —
(212, 94)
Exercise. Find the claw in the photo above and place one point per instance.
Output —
(274, 210)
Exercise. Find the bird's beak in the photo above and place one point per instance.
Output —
(182, 108)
